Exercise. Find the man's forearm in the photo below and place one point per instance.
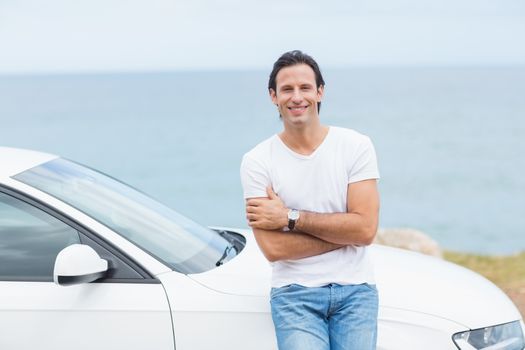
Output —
(278, 245)
(338, 228)
(357, 226)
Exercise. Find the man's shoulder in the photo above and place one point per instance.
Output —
(262, 149)
(349, 136)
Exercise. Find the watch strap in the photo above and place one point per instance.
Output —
(291, 224)
(293, 216)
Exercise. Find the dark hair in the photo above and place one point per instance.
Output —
(292, 58)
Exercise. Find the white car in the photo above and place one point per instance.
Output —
(87, 262)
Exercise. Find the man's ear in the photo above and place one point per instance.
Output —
(273, 96)
(320, 93)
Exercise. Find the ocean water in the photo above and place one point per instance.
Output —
(450, 141)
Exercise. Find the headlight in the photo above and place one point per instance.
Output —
(508, 336)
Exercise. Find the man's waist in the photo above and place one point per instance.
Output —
(315, 273)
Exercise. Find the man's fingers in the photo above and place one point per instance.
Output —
(253, 202)
(251, 209)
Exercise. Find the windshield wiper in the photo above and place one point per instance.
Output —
(235, 242)
(225, 254)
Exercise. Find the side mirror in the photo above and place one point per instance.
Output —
(78, 263)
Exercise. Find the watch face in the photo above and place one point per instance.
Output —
(293, 214)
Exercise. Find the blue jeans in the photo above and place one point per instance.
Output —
(332, 317)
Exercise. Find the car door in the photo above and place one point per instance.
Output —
(126, 310)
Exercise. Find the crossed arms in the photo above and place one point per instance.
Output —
(314, 233)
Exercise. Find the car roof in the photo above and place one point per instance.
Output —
(16, 160)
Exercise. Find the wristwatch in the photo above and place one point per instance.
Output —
(293, 216)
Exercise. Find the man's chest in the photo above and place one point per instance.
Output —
(317, 185)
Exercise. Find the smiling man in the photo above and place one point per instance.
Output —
(312, 202)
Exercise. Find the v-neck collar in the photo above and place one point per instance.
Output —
(303, 156)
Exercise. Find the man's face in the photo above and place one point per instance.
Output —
(296, 94)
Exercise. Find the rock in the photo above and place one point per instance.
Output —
(410, 239)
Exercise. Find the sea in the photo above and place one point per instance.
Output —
(450, 140)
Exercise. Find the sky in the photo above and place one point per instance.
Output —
(158, 35)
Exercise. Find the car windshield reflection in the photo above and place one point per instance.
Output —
(174, 239)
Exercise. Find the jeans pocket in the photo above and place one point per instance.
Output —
(275, 292)
(370, 286)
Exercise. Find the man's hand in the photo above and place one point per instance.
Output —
(267, 213)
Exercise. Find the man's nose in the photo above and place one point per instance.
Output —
(297, 96)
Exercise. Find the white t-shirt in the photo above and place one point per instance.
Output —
(319, 183)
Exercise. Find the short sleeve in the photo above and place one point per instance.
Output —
(364, 163)
(254, 177)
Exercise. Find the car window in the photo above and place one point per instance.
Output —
(175, 240)
(30, 240)
(118, 269)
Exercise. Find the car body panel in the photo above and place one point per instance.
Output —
(425, 284)
(119, 315)
(15, 160)
(408, 330)
(204, 318)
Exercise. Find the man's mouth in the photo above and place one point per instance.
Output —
(300, 108)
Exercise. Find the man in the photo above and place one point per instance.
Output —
(312, 202)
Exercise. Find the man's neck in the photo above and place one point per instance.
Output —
(304, 140)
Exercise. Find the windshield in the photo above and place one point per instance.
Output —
(177, 241)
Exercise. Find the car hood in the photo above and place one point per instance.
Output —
(249, 273)
(406, 280)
